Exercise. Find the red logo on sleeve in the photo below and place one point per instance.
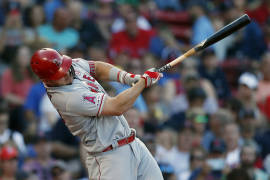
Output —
(89, 78)
(90, 99)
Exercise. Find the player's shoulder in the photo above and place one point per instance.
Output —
(78, 60)
(81, 62)
(60, 96)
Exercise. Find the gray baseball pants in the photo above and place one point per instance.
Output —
(129, 162)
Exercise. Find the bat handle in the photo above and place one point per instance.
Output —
(164, 68)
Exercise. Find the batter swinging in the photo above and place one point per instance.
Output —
(114, 152)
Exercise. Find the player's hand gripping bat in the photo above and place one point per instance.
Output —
(219, 35)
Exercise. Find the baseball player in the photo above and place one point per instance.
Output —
(113, 151)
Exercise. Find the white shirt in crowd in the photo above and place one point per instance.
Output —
(14, 136)
(119, 24)
(164, 155)
(177, 159)
(233, 158)
(180, 104)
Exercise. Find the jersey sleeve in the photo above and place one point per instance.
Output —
(89, 66)
(86, 103)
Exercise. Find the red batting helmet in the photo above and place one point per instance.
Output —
(48, 64)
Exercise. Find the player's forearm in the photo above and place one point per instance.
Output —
(108, 72)
(103, 70)
(127, 98)
(123, 101)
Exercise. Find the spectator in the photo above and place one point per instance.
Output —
(196, 97)
(199, 168)
(173, 80)
(58, 32)
(255, 42)
(64, 146)
(234, 106)
(237, 174)
(15, 85)
(246, 94)
(8, 135)
(32, 108)
(215, 125)
(243, 42)
(49, 115)
(158, 111)
(35, 17)
(198, 120)
(180, 161)
(232, 140)
(266, 164)
(124, 10)
(50, 7)
(169, 5)
(260, 12)
(210, 70)
(249, 127)
(248, 158)
(43, 161)
(262, 138)
(97, 51)
(221, 47)
(133, 40)
(164, 45)
(247, 85)
(201, 88)
(87, 28)
(59, 171)
(216, 158)
(12, 35)
(104, 17)
(78, 51)
(249, 123)
(202, 27)
(263, 90)
(166, 146)
(9, 164)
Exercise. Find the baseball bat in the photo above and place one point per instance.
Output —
(219, 35)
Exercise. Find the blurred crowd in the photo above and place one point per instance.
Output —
(207, 119)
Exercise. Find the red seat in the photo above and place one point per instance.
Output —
(173, 17)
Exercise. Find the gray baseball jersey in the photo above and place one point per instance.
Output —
(80, 105)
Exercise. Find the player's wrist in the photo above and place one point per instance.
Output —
(128, 78)
(144, 80)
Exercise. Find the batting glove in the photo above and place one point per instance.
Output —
(128, 78)
(151, 77)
